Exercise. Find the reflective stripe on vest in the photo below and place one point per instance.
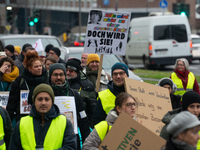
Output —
(180, 89)
(107, 100)
(53, 138)
(102, 129)
(2, 143)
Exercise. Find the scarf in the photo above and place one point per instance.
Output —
(11, 76)
(33, 81)
(92, 75)
(182, 73)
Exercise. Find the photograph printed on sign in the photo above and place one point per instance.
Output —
(4, 99)
(107, 32)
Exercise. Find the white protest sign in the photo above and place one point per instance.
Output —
(38, 45)
(4, 99)
(25, 108)
(67, 107)
(107, 32)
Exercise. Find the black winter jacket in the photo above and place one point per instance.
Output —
(100, 114)
(7, 125)
(87, 92)
(14, 95)
(40, 130)
(61, 61)
(83, 123)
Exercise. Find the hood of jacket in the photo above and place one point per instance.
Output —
(51, 114)
(111, 117)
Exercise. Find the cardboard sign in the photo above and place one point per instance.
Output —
(67, 107)
(153, 103)
(128, 134)
(25, 108)
(4, 99)
(107, 32)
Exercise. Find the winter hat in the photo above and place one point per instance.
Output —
(10, 48)
(166, 81)
(48, 47)
(56, 66)
(184, 61)
(120, 66)
(43, 88)
(18, 49)
(92, 57)
(25, 46)
(182, 121)
(189, 98)
(74, 64)
(56, 50)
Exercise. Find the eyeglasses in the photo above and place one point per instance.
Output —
(118, 73)
(56, 75)
(130, 105)
(70, 70)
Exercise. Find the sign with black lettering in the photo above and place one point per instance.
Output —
(107, 32)
(153, 103)
(25, 108)
(128, 134)
(4, 99)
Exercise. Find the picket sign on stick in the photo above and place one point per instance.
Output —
(99, 73)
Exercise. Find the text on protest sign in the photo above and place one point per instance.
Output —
(25, 108)
(67, 106)
(153, 103)
(107, 32)
(4, 99)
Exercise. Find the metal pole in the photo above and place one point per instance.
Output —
(80, 22)
(116, 5)
(26, 18)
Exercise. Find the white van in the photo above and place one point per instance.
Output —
(158, 40)
(195, 46)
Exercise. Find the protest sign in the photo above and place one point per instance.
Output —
(107, 32)
(38, 45)
(67, 107)
(4, 99)
(153, 103)
(128, 134)
(25, 108)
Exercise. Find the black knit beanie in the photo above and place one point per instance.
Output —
(10, 48)
(189, 98)
(25, 46)
(43, 88)
(166, 82)
(74, 64)
(56, 50)
(48, 47)
(56, 66)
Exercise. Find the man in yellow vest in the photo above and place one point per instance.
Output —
(44, 128)
(106, 98)
(5, 129)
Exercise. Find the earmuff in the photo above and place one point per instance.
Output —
(174, 87)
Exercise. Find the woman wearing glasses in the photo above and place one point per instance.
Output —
(124, 103)
(33, 75)
(183, 78)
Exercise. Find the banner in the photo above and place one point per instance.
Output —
(38, 45)
(153, 103)
(107, 32)
(67, 106)
(25, 108)
(4, 99)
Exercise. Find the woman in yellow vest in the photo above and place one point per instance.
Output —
(183, 78)
(124, 103)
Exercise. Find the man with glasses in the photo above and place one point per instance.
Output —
(55, 52)
(79, 81)
(57, 80)
(106, 98)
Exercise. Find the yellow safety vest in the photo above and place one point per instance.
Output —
(180, 89)
(102, 129)
(198, 144)
(2, 142)
(107, 100)
(53, 138)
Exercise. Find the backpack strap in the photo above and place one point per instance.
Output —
(22, 80)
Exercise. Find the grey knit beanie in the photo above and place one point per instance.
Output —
(182, 121)
(56, 66)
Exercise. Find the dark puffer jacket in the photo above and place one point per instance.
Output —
(87, 92)
(41, 128)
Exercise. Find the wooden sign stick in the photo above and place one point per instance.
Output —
(99, 73)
